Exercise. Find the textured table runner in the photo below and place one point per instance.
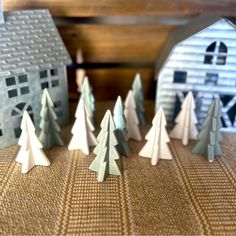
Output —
(184, 196)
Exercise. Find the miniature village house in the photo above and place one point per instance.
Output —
(199, 57)
(32, 57)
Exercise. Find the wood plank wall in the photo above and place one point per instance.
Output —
(119, 38)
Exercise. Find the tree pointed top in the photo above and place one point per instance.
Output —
(129, 101)
(26, 123)
(188, 102)
(137, 83)
(159, 117)
(86, 85)
(118, 105)
(46, 98)
(217, 107)
(80, 110)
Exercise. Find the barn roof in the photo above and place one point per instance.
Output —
(194, 26)
(29, 41)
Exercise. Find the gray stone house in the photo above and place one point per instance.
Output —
(199, 57)
(32, 57)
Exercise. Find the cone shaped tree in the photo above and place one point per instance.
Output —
(87, 96)
(137, 88)
(82, 129)
(106, 154)
(132, 118)
(157, 145)
(30, 153)
(186, 120)
(121, 131)
(50, 130)
(210, 136)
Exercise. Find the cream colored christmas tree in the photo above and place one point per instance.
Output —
(30, 153)
(157, 145)
(132, 118)
(185, 128)
(82, 129)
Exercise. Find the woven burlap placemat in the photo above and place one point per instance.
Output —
(184, 196)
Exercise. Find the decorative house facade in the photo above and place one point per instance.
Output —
(199, 57)
(32, 57)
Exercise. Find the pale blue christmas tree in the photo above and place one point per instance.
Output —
(210, 136)
(121, 131)
(88, 98)
(106, 153)
(137, 88)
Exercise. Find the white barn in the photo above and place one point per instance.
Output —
(201, 57)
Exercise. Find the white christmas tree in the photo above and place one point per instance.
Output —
(157, 145)
(106, 154)
(30, 153)
(82, 129)
(185, 128)
(131, 117)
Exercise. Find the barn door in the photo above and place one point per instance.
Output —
(17, 114)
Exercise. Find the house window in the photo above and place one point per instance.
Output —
(216, 53)
(24, 90)
(211, 78)
(10, 81)
(17, 114)
(44, 85)
(55, 83)
(180, 77)
(58, 110)
(22, 78)
(12, 93)
(17, 87)
(49, 78)
(54, 72)
(43, 74)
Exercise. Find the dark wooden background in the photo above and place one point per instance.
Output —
(119, 37)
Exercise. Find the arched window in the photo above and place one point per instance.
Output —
(216, 53)
(17, 114)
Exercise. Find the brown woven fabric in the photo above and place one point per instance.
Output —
(186, 195)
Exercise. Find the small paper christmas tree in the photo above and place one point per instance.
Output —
(80, 73)
(139, 100)
(87, 96)
(30, 153)
(121, 131)
(186, 120)
(50, 130)
(157, 145)
(132, 118)
(210, 136)
(82, 129)
(106, 154)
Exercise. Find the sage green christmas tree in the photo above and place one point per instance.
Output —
(210, 136)
(121, 131)
(106, 155)
(50, 130)
(137, 88)
(89, 101)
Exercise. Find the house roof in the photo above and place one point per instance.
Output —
(29, 41)
(194, 26)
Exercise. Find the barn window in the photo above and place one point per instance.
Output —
(211, 78)
(180, 77)
(216, 53)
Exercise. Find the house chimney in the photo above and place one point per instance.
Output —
(2, 20)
